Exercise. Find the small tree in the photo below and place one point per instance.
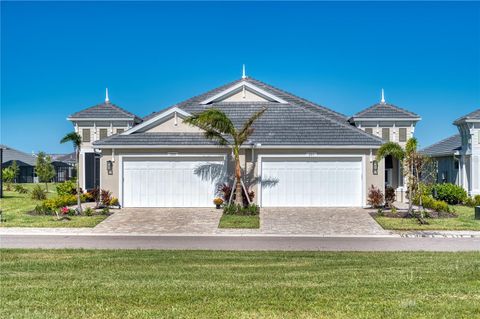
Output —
(8, 176)
(44, 169)
(76, 140)
(16, 170)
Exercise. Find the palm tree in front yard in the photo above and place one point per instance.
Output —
(219, 127)
(76, 140)
(412, 161)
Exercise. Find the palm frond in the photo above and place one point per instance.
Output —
(215, 136)
(247, 128)
(212, 120)
(411, 146)
(391, 148)
(73, 137)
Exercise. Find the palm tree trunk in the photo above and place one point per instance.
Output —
(79, 202)
(238, 186)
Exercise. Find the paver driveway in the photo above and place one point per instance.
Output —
(274, 221)
(162, 221)
(319, 221)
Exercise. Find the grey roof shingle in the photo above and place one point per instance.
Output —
(105, 110)
(22, 158)
(475, 115)
(157, 139)
(298, 122)
(446, 146)
(385, 110)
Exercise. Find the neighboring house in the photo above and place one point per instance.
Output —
(458, 156)
(25, 162)
(300, 154)
(64, 166)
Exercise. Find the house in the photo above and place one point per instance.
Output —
(458, 156)
(25, 162)
(300, 154)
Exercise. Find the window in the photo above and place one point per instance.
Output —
(120, 130)
(103, 133)
(402, 134)
(386, 134)
(369, 130)
(86, 135)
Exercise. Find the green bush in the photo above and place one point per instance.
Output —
(67, 188)
(88, 211)
(432, 203)
(20, 189)
(449, 193)
(38, 193)
(42, 209)
(477, 200)
(60, 201)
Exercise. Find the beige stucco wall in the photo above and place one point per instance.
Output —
(169, 126)
(111, 182)
(245, 97)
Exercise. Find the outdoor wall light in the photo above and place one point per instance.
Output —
(110, 167)
(375, 167)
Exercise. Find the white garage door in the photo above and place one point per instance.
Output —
(183, 182)
(312, 182)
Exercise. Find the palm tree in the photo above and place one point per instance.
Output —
(410, 159)
(76, 140)
(218, 127)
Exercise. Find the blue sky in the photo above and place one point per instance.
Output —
(57, 58)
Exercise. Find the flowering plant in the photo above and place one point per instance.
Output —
(64, 210)
(218, 201)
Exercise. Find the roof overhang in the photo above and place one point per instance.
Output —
(100, 119)
(235, 88)
(385, 119)
(257, 146)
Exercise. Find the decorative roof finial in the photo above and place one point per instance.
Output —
(383, 97)
(243, 72)
(107, 100)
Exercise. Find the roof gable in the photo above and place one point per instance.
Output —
(447, 146)
(473, 116)
(255, 94)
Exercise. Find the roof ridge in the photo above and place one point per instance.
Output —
(390, 105)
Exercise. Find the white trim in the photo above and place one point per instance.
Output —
(386, 119)
(176, 155)
(155, 119)
(349, 147)
(239, 85)
(362, 157)
(89, 119)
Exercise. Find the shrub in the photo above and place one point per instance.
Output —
(88, 211)
(477, 200)
(226, 191)
(375, 197)
(38, 193)
(42, 209)
(60, 201)
(432, 203)
(449, 193)
(389, 196)
(470, 202)
(95, 195)
(106, 197)
(106, 211)
(67, 188)
(20, 189)
(114, 202)
(67, 211)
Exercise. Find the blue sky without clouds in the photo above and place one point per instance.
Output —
(58, 57)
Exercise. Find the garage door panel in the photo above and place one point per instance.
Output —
(168, 183)
(329, 182)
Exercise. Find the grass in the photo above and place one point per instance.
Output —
(14, 207)
(206, 284)
(239, 221)
(464, 221)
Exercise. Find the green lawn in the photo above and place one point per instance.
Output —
(14, 207)
(236, 221)
(464, 221)
(205, 284)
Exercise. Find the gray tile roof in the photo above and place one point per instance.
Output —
(105, 111)
(385, 110)
(475, 115)
(298, 122)
(156, 139)
(22, 158)
(446, 146)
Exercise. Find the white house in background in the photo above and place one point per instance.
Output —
(300, 154)
(458, 156)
